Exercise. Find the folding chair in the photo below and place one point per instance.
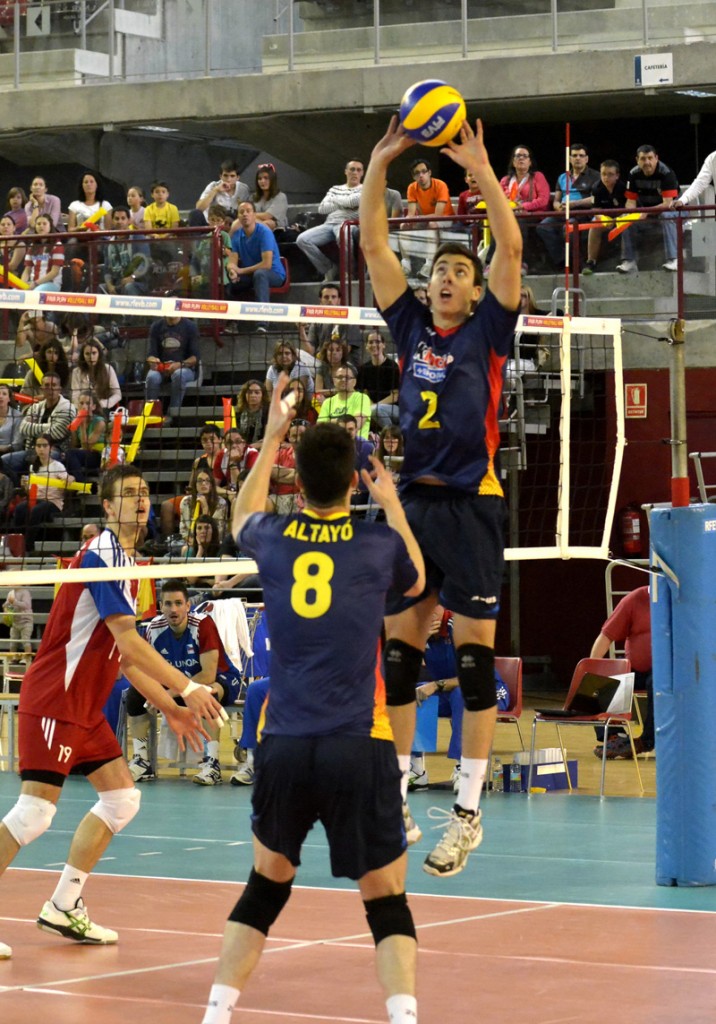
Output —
(602, 667)
(511, 671)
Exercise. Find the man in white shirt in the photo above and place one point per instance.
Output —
(340, 203)
(705, 177)
(228, 192)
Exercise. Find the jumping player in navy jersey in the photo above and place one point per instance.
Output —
(325, 578)
(451, 356)
(61, 726)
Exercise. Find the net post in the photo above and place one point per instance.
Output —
(677, 394)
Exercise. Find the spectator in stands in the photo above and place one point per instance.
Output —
(33, 330)
(41, 201)
(50, 497)
(608, 194)
(332, 357)
(52, 416)
(203, 268)
(705, 177)
(526, 188)
(421, 294)
(174, 357)
(83, 456)
(44, 258)
(255, 261)
(379, 378)
(90, 200)
(284, 494)
(578, 185)
(651, 186)
(427, 196)
(10, 419)
(364, 448)
(317, 334)
(12, 248)
(202, 500)
(347, 400)
(93, 373)
(74, 330)
(126, 263)
(468, 200)
(18, 607)
(210, 442)
(233, 448)
(161, 213)
(252, 411)
(529, 344)
(227, 192)
(285, 360)
(137, 208)
(51, 358)
(16, 201)
(203, 541)
(89, 531)
(271, 204)
(304, 408)
(340, 203)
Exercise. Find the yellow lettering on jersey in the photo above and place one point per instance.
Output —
(324, 536)
(320, 532)
(347, 531)
(302, 533)
(290, 530)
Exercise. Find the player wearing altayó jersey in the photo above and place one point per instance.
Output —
(91, 626)
(325, 752)
(452, 357)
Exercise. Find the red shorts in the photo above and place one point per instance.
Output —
(50, 747)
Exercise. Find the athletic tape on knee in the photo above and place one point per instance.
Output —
(117, 807)
(261, 902)
(402, 671)
(476, 675)
(389, 915)
(29, 818)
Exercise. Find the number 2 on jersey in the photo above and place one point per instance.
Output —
(312, 574)
(427, 420)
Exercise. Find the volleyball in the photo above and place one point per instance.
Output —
(431, 112)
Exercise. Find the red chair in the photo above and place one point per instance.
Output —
(602, 667)
(511, 671)
(284, 288)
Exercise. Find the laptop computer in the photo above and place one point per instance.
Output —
(596, 695)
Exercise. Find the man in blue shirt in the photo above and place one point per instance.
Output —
(255, 261)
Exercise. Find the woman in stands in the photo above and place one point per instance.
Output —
(203, 540)
(271, 204)
(252, 411)
(16, 200)
(526, 188)
(90, 200)
(303, 409)
(93, 373)
(202, 500)
(12, 248)
(50, 496)
(82, 456)
(285, 360)
(50, 358)
(44, 258)
(10, 419)
(41, 201)
(332, 355)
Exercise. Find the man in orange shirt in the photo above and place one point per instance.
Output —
(426, 196)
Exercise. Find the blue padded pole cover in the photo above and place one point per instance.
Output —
(683, 620)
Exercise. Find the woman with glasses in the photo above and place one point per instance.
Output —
(526, 188)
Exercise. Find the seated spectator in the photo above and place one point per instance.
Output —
(233, 449)
(578, 185)
(51, 358)
(364, 449)
(41, 201)
(390, 449)
(651, 186)
(93, 373)
(18, 605)
(530, 345)
(90, 200)
(427, 196)
(255, 261)
(73, 331)
(608, 194)
(227, 192)
(284, 493)
(10, 420)
(271, 204)
(467, 203)
(202, 500)
(137, 207)
(16, 202)
(315, 336)
(126, 262)
(162, 215)
(203, 542)
(51, 416)
(210, 442)
(50, 498)
(527, 188)
(347, 400)
(8, 493)
(12, 248)
(421, 294)
(379, 378)
(44, 258)
(285, 360)
(252, 405)
(83, 455)
(174, 357)
(340, 203)
(203, 269)
(89, 532)
(332, 356)
(304, 408)
(705, 177)
(33, 330)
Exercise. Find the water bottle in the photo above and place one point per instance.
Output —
(515, 777)
(498, 784)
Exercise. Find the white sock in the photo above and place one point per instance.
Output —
(69, 888)
(222, 1000)
(212, 749)
(402, 1009)
(472, 776)
(139, 731)
(417, 763)
(250, 758)
(404, 765)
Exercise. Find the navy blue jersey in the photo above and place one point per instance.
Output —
(450, 389)
(184, 652)
(324, 582)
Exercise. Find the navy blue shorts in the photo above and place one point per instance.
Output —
(351, 784)
(462, 539)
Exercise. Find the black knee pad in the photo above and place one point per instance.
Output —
(261, 902)
(135, 703)
(402, 671)
(389, 915)
(476, 675)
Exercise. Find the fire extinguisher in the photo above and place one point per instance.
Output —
(630, 530)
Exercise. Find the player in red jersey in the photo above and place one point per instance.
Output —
(452, 358)
(91, 627)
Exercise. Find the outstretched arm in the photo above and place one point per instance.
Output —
(386, 276)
